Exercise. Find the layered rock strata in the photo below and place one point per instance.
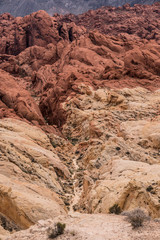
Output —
(79, 120)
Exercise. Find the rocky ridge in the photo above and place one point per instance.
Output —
(138, 20)
(79, 120)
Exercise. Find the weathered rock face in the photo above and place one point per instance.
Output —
(16, 101)
(21, 33)
(97, 61)
(79, 120)
(117, 148)
(36, 29)
(30, 168)
(139, 20)
(53, 72)
(126, 183)
(114, 157)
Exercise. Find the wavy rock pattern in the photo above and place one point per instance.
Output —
(79, 116)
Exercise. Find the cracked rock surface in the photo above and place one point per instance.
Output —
(79, 126)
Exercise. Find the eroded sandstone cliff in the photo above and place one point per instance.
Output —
(79, 118)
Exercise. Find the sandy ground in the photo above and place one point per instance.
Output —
(91, 227)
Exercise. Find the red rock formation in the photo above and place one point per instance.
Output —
(51, 57)
(62, 78)
(20, 33)
(140, 20)
(35, 29)
(16, 101)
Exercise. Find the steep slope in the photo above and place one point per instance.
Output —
(29, 187)
(24, 7)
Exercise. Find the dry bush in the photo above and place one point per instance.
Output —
(136, 217)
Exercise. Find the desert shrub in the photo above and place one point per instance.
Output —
(115, 209)
(136, 217)
(57, 230)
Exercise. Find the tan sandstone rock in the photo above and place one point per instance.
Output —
(29, 171)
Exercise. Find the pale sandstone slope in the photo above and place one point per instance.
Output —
(111, 150)
(116, 135)
(29, 174)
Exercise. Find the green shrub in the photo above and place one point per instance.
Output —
(115, 209)
(57, 230)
